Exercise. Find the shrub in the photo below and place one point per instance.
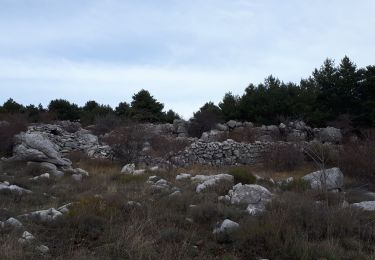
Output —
(242, 175)
(13, 125)
(105, 124)
(357, 159)
(322, 154)
(163, 146)
(205, 213)
(64, 110)
(298, 185)
(127, 142)
(283, 157)
(296, 227)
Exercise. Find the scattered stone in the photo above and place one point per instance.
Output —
(183, 176)
(175, 193)
(329, 179)
(139, 172)
(365, 205)
(65, 209)
(42, 176)
(154, 169)
(128, 169)
(226, 226)
(77, 177)
(42, 249)
(47, 215)
(133, 204)
(12, 222)
(5, 186)
(249, 194)
(26, 238)
(81, 172)
(208, 181)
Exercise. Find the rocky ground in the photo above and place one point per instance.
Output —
(62, 198)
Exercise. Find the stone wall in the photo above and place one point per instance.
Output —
(220, 153)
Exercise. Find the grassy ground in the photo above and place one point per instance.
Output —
(102, 225)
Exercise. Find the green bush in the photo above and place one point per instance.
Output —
(298, 185)
(242, 175)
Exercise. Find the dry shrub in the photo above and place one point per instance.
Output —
(242, 175)
(127, 142)
(12, 125)
(106, 124)
(324, 155)
(163, 146)
(283, 157)
(357, 158)
(296, 227)
(241, 134)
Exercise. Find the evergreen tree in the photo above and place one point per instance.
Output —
(12, 107)
(230, 106)
(64, 110)
(145, 108)
(123, 110)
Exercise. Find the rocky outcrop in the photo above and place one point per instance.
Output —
(49, 143)
(328, 179)
(37, 148)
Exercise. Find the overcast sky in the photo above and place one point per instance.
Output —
(184, 52)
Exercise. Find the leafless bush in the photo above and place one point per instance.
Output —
(241, 134)
(283, 157)
(12, 125)
(127, 142)
(105, 124)
(296, 227)
(322, 154)
(357, 158)
(162, 145)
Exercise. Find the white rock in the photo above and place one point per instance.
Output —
(226, 226)
(65, 209)
(13, 223)
(175, 193)
(47, 215)
(154, 169)
(183, 176)
(255, 209)
(81, 171)
(26, 238)
(77, 177)
(134, 204)
(365, 205)
(208, 181)
(128, 169)
(42, 176)
(42, 249)
(330, 178)
(249, 194)
(13, 188)
(139, 172)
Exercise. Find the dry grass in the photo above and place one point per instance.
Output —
(101, 225)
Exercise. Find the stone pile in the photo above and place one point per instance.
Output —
(49, 143)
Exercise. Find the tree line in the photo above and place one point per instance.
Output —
(332, 94)
(143, 108)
